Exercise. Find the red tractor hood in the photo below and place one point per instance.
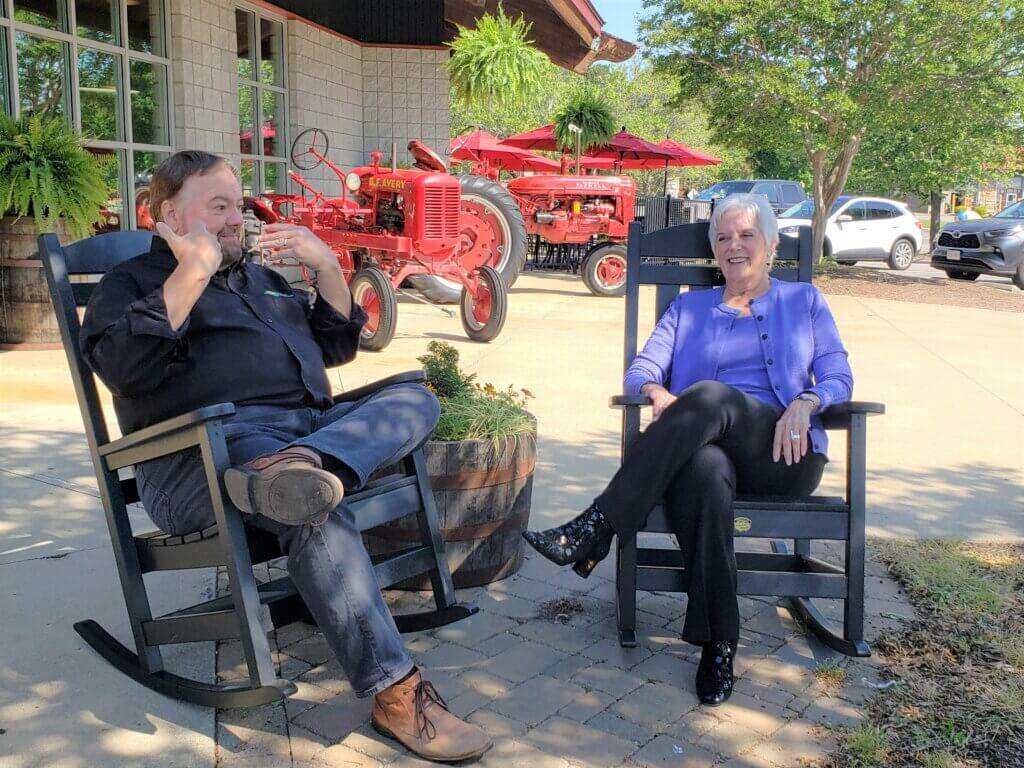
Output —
(610, 186)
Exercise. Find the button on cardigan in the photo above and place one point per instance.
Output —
(800, 346)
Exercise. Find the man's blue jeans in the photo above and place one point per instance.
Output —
(327, 563)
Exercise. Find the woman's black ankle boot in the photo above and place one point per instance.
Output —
(714, 673)
(583, 541)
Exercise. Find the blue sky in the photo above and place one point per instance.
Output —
(620, 17)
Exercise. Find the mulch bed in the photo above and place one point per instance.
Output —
(886, 284)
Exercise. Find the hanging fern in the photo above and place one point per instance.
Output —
(589, 110)
(496, 62)
(46, 173)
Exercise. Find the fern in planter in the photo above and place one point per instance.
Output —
(470, 411)
(46, 173)
(590, 111)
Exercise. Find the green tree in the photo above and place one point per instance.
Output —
(937, 149)
(496, 62)
(818, 74)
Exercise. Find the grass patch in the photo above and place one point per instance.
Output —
(961, 665)
(866, 747)
(830, 674)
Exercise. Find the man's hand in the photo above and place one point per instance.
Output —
(660, 397)
(198, 253)
(292, 243)
(796, 421)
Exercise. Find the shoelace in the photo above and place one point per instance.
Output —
(425, 695)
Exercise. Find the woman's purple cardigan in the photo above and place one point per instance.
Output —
(800, 345)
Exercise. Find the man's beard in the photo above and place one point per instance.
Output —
(230, 249)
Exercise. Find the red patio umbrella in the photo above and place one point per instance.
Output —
(542, 138)
(481, 146)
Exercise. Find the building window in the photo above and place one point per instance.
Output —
(100, 65)
(262, 102)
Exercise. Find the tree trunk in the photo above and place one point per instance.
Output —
(828, 183)
(935, 200)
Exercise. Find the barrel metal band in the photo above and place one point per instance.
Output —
(470, 480)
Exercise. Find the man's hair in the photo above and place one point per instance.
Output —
(170, 176)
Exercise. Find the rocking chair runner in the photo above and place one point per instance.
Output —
(655, 259)
(229, 543)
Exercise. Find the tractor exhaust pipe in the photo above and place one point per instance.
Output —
(394, 156)
(544, 217)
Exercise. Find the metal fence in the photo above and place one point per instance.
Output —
(659, 212)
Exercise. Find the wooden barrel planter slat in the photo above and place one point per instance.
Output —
(27, 320)
(483, 491)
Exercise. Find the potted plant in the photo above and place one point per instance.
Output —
(45, 174)
(481, 459)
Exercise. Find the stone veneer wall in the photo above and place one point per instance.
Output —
(364, 97)
(325, 90)
(204, 89)
(405, 97)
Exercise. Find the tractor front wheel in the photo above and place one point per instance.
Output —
(604, 270)
(483, 316)
(372, 290)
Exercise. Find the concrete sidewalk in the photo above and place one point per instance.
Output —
(946, 460)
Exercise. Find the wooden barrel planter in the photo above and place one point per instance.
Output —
(27, 320)
(482, 490)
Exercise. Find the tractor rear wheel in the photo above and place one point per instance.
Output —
(372, 290)
(501, 243)
(484, 316)
(604, 269)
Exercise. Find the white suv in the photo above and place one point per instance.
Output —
(862, 229)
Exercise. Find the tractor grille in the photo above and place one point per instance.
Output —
(964, 241)
(441, 214)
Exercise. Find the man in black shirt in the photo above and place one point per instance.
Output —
(190, 324)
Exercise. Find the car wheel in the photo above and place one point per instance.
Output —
(1018, 276)
(847, 262)
(902, 254)
(959, 274)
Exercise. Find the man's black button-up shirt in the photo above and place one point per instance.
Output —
(250, 339)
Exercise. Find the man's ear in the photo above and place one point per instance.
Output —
(169, 214)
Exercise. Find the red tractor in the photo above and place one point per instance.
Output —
(393, 223)
(588, 215)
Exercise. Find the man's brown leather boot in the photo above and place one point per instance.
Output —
(289, 486)
(414, 714)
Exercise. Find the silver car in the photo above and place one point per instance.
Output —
(993, 246)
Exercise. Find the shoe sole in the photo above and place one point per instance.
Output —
(300, 496)
(468, 756)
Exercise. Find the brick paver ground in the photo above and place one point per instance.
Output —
(555, 690)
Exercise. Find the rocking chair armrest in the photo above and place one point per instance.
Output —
(406, 377)
(629, 401)
(838, 416)
(166, 428)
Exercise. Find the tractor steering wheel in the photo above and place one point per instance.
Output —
(310, 141)
(425, 158)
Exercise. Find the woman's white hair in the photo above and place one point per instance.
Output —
(754, 205)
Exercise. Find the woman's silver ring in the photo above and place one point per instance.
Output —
(794, 436)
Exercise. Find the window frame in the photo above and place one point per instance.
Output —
(259, 159)
(126, 147)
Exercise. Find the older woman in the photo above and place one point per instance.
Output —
(736, 376)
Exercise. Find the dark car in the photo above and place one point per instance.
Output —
(781, 193)
(994, 246)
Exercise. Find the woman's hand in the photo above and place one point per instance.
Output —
(660, 397)
(791, 432)
(293, 242)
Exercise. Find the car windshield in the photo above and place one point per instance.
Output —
(805, 210)
(725, 188)
(1015, 211)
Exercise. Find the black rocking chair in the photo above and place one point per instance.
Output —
(228, 543)
(681, 256)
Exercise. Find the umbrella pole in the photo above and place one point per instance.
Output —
(666, 178)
